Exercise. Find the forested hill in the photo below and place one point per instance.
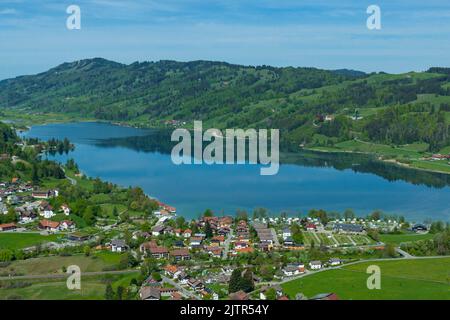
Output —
(311, 106)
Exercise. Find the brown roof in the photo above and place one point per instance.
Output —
(158, 250)
(7, 225)
(240, 295)
(49, 224)
(179, 252)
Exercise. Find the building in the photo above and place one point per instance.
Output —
(118, 245)
(150, 293)
(180, 254)
(8, 227)
(315, 265)
(293, 269)
(334, 261)
(159, 252)
(41, 194)
(348, 228)
(287, 233)
(240, 295)
(419, 228)
(49, 225)
(67, 225)
(65, 208)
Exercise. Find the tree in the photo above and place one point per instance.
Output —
(119, 294)
(389, 251)
(349, 214)
(109, 292)
(235, 281)
(246, 282)
(87, 251)
(208, 230)
(208, 213)
(271, 294)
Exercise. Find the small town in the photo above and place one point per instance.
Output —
(236, 257)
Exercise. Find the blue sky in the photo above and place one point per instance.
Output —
(326, 34)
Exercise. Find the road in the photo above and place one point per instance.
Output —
(227, 245)
(183, 291)
(65, 275)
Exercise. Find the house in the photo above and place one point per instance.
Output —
(214, 251)
(195, 284)
(240, 295)
(40, 194)
(263, 291)
(118, 245)
(177, 232)
(67, 225)
(65, 208)
(348, 228)
(171, 271)
(46, 210)
(180, 254)
(288, 241)
(183, 277)
(176, 296)
(334, 261)
(150, 293)
(8, 227)
(225, 221)
(159, 252)
(3, 208)
(325, 296)
(315, 265)
(287, 233)
(311, 227)
(218, 240)
(158, 230)
(240, 245)
(293, 269)
(195, 241)
(78, 236)
(49, 225)
(187, 233)
(419, 228)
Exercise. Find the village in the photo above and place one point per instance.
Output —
(202, 258)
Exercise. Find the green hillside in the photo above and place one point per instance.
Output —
(327, 110)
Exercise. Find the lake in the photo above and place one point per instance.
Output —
(140, 157)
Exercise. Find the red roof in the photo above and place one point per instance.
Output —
(7, 225)
(49, 224)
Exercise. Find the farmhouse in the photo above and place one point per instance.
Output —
(348, 228)
(49, 225)
(8, 227)
(118, 245)
(315, 265)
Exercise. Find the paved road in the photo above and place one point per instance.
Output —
(184, 291)
(65, 275)
(227, 244)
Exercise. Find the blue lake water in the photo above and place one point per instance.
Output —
(301, 184)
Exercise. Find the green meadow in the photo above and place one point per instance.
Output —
(423, 279)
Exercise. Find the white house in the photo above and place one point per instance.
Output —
(315, 265)
(287, 233)
(66, 225)
(335, 261)
(293, 269)
(65, 208)
(118, 245)
(47, 213)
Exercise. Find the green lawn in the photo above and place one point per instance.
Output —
(404, 237)
(402, 279)
(15, 241)
(55, 264)
(92, 288)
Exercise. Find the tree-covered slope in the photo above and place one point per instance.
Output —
(312, 107)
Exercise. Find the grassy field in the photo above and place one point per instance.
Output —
(15, 241)
(55, 264)
(408, 237)
(402, 279)
(92, 288)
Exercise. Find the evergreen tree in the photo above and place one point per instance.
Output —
(109, 292)
(235, 281)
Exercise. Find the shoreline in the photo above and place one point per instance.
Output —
(379, 158)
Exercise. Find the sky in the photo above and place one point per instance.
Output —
(328, 34)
